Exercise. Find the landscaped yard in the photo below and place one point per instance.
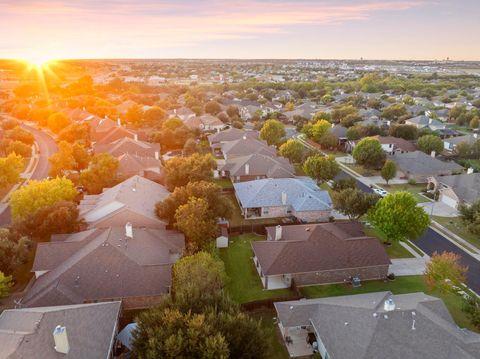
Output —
(395, 250)
(456, 225)
(238, 220)
(244, 283)
(414, 189)
(400, 285)
(362, 170)
(223, 182)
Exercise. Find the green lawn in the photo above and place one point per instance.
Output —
(244, 283)
(223, 182)
(278, 349)
(362, 170)
(413, 189)
(395, 250)
(456, 225)
(400, 285)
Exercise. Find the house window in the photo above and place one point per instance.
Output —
(265, 211)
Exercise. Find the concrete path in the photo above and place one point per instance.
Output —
(439, 209)
(408, 266)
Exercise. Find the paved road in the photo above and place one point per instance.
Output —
(432, 241)
(47, 147)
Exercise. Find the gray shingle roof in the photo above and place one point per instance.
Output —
(247, 146)
(27, 333)
(420, 163)
(465, 186)
(259, 165)
(231, 134)
(350, 330)
(302, 194)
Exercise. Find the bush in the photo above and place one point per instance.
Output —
(412, 182)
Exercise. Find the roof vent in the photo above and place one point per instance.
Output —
(61, 340)
(278, 232)
(389, 305)
(129, 230)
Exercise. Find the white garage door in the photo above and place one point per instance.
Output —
(449, 201)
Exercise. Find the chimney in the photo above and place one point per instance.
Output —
(135, 137)
(432, 154)
(389, 305)
(129, 230)
(61, 339)
(284, 198)
(247, 169)
(244, 137)
(430, 120)
(475, 135)
(470, 171)
(157, 155)
(278, 233)
(119, 122)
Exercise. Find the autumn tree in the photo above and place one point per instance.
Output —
(75, 132)
(429, 143)
(181, 170)
(39, 194)
(369, 153)
(19, 134)
(444, 271)
(193, 220)
(273, 131)
(293, 150)
(389, 170)
(353, 203)
(321, 168)
(134, 114)
(68, 158)
(154, 116)
(58, 121)
(10, 169)
(101, 173)
(398, 217)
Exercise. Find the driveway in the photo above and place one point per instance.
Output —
(439, 209)
(408, 266)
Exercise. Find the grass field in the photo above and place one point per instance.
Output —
(244, 283)
(456, 225)
(401, 285)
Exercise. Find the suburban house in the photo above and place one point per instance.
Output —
(393, 145)
(318, 254)
(340, 132)
(375, 326)
(132, 200)
(419, 166)
(70, 331)
(130, 146)
(458, 189)
(131, 165)
(423, 121)
(256, 166)
(297, 197)
(113, 134)
(117, 263)
(125, 106)
(183, 113)
(231, 134)
(244, 147)
(205, 122)
(451, 143)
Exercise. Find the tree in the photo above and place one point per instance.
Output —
(321, 168)
(293, 150)
(58, 121)
(19, 134)
(354, 133)
(471, 306)
(8, 146)
(328, 140)
(6, 283)
(398, 217)
(429, 143)
(101, 173)
(369, 153)
(233, 111)
(344, 183)
(407, 132)
(59, 218)
(154, 116)
(444, 271)
(353, 203)
(194, 221)
(273, 131)
(134, 114)
(389, 170)
(190, 147)
(181, 170)
(75, 132)
(13, 250)
(470, 215)
(474, 123)
(39, 194)
(394, 112)
(213, 107)
(10, 169)
(68, 158)
(317, 130)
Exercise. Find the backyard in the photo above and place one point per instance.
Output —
(401, 285)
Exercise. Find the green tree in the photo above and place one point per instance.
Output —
(39, 194)
(101, 173)
(395, 112)
(68, 158)
(429, 143)
(354, 133)
(317, 130)
(190, 147)
(58, 121)
(474, 123)
(14, 250)
(369, 153)
(10, 169)
(293, 150)
(321, 168)
(445, 271)
(407, 132)
(471, 306)
(273, 131)
(389, 170)
(328, 140)
(353, 203)
(470, 215)
(181, 170)
(194, 221)
(6, 283)
(398, 217)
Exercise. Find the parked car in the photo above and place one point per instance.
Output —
(380, 192)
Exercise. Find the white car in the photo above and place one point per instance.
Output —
(380, 192)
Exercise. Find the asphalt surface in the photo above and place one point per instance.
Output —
(47, 147)
(432, 241)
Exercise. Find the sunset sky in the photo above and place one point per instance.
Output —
(373, 29)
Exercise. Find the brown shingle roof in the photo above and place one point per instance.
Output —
(318, 247)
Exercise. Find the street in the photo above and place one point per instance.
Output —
(47, 147)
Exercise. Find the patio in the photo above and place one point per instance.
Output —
(295, 339)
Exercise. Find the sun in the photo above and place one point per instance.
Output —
(38, 61)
